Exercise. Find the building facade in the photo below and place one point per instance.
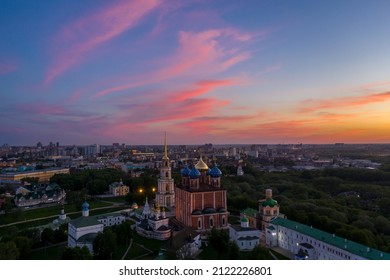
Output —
(43, 175)
(119, 189)
(27, 196)
(83, 230)
(268, 209)
(246, 237)
(201, 202)
(153, 223)
(308, 243)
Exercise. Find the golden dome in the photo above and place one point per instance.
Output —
(201, 165)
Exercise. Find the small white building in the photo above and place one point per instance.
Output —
(119, 189)
(83, 230)
(247, 238)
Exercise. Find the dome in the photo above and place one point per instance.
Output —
(201, 165)
(134, 205)
(269, 202)
(85, 206)
(194, 174)
(244, 219)
(185, 172)
(196, 212)
(221, 210)
(215, 172)
(209, 210)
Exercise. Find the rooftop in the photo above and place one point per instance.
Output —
(249, 212)
(344, 244)
(85, 222)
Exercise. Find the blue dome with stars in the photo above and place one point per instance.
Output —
(185, 172)
(215, 172)
(194, 174)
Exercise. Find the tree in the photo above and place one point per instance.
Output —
(382, 225)
(123, 232)
(76, 253)
(9, 251)
(7, 206)
(234, 252)
(24, 245)
(97, 186)
(219, 241)
(47, 236)
(260, 253)
(104, 245)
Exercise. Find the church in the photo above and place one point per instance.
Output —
(153, 223)
(200, 200)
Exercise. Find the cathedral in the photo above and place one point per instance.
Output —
(200, 201)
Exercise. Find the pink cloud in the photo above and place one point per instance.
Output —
(311, 105)
(173, 109)
(202, 88)
(199, 54)
(7, 67)
(77, 39)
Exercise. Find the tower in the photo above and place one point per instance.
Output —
(85, 209)
(165, 196)
(268, 209)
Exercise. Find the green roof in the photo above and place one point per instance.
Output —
(85, 222)
(352, 247)
(249, 212)
(244, 219)
(269, 202)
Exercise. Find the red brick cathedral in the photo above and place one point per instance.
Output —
(200, 201)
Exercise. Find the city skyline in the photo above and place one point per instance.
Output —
(218, 72)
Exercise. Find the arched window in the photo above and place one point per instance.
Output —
(223, 220)
(199, 223)
(211, 222)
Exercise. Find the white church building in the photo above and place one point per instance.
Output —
(83, 230)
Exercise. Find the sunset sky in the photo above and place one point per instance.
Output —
(93, 71)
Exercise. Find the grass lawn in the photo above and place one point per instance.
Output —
(279, 256)
(135, 251)
(22, 214)
(49, 253)
(120, 251)
(117, 199)
(30, 224)
(151, 244)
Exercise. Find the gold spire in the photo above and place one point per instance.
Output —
(165, 147)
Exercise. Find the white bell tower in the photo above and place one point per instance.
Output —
(165, 189)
